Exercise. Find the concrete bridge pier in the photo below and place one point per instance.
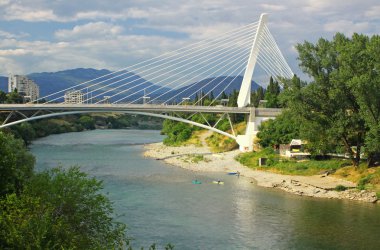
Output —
(246, 141)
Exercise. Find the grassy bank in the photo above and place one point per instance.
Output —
(366, 178)
(280, 165)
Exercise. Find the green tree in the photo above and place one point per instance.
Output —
(271, 94)
(14, 97)
(328, 107)
(223, 95)
(279, 131)
(257, 96)
(16, 164)
(176, 132)
(87, 122)
(60, 209)
(359, 66)
(24, 131)
(3, 97)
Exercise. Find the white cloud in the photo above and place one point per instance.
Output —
(93, 15)
(97, 29)
(113, 15)
(163, 26)
(5, 34)
(4, 2)
(347, 27)
(13, 52)
(19, 12)
(373, 12)
(273, 7)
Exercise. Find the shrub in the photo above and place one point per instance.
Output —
(364, 181)
(340, 188)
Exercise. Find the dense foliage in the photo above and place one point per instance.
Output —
(279, 131)
(12, 97)
(16, 164)
(56, 209)
(275, 164)
(60, 209)
(339, 110)
(176, 132)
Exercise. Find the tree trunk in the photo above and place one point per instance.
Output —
(358, 149)
(350, 151)
(373, 159)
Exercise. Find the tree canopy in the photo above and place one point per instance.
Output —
(60, 209)
(16, 164)
(340, 108)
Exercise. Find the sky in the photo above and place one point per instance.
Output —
(53, 35)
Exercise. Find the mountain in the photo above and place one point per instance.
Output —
(4, 83)
(214, 84)
(51, 82)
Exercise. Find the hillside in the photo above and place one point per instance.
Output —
(215, 84)
(50, 82)
(4, 83)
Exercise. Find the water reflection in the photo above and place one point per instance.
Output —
(160, 204)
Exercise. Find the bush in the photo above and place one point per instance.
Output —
(60, 209)
(16, 164)
(364, 181)
(176, 132)
(340, 188)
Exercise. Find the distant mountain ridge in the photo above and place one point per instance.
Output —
(216, 85)
(51, 82)
(4, 83)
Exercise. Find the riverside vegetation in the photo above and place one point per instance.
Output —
(58, 208)
(337, 113)
(74, 123)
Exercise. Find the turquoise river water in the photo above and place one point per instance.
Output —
(160, 204)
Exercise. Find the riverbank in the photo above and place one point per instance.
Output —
(202, 159)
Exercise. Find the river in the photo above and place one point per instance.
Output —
(160, 204)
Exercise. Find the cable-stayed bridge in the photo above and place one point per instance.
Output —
(176, 85)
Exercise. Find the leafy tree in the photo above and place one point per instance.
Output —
(257, 96)
(271, 94)
(87, 122)
(3, 97)
(279, 131)
(223, 95)
(24, 131)
(60, 209)
(176, 132)
(14, 97)
(16, 164)
(360, 68)
(328, 107)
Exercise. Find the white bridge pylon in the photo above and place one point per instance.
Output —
(190, 80)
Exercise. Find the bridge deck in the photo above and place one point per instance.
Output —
(260, 112)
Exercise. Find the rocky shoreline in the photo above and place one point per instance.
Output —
(201, 159)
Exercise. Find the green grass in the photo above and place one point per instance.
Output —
(340, 188)
(195, 158)
(287, 166)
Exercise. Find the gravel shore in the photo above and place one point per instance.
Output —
(201, 159)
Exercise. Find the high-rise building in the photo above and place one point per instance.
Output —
(74, 96)
(25, 87)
